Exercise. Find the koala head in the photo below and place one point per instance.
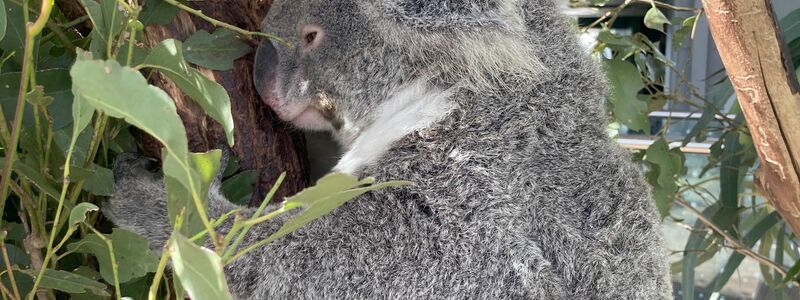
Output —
(349, 57)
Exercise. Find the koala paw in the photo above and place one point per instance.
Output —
(139, 202)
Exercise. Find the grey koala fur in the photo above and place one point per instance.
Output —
(519, 192)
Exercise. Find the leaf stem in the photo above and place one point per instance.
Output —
(247, 225)
(31, 31)
(9, 270)
(162, 265)
(218, 23)
(57, 219)
(736, 244)
(114, 267)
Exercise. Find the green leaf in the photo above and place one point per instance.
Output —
(239, 188)
(138, 288)
(679, 38)
(655, 19)
(23, 280)
(78, 213)
(626, 83)
(100, 181)
(16, 256)
(82, 114)
(56, 83)
(199, 269)
(215, 51)
(696, 244)
(14, 39)
(69, 282)
(790, 24)
(37, 97)
(729, 170)
(3, 20)
(168, 58)
(107, 86)
(39, 180)
(108, 20)
(719, 94)
(14, 231)
(157, 12)
(749, 240)
(666, 166)
(137, 57)
(792, 272)
(206, 165)
(330, 192)
(131, 251)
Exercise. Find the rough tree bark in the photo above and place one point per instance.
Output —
(755, 57)
(263, 143)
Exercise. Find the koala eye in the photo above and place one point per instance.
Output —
(312, 36)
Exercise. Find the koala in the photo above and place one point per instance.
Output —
(496, 114)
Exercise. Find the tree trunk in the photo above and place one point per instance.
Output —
(263, 143)
(757, 62)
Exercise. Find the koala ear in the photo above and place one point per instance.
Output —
(454, 14)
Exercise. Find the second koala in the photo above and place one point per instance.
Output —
(496, 114)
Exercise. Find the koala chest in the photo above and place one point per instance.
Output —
(408, 249)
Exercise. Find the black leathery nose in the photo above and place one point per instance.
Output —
(265, 68)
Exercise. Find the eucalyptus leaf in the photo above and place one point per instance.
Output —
(107, 86)
(206, 165)
(16, 256)
(330, 192)
(14, 231)
(666, 166)
(679, 38)
(749, 240)
(157, 12)
(790, 24)
(108, 20)
(78, 213)
(56, 84)
(70, 282)
(215, 51)
(199, 270)
(14, 38)
(239, 188)
(168, 58)
(131, 251)
(655, 19)
(100, 181)
(626, 83)
(37, 97)
(3, 20)
(23, 280)
(33, 175)
(696, 244)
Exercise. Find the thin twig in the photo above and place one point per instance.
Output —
(10, 271)
(738, 246)
(218, 23)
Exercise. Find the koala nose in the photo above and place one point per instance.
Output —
(311, 37)
(265, 68)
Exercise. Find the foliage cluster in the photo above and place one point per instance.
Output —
(68, 102)
(732, 214)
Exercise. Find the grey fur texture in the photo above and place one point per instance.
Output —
(519, 192)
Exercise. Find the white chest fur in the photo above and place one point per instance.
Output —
(413, 107)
